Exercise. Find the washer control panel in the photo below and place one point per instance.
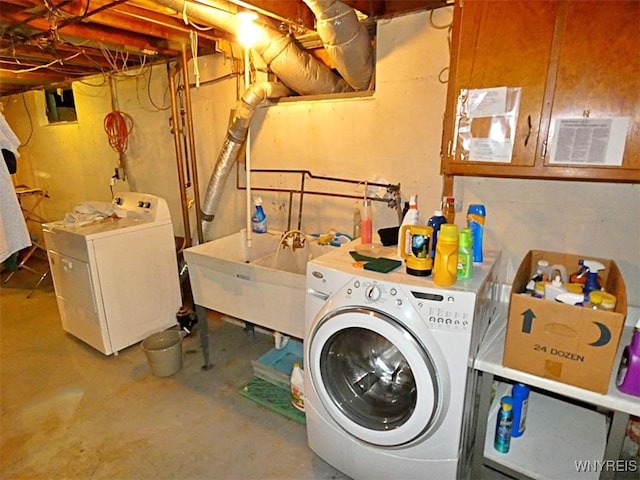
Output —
(442, 309)
(141, 205)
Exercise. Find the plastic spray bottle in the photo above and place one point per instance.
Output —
(592, 282)
(259, 219)
(476, 215)
(412, 217)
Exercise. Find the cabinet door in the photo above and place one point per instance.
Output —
(571, 59)
(598, 76)
(499, 44)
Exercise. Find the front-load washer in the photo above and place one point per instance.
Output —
(389, 383)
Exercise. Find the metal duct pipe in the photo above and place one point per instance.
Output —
(236, 135)
(346, 41)
(295, 67)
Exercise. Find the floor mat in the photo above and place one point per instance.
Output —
(273, 397)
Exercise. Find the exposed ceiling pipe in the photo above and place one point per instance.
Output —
(236, 135)
(295, 67)
(346, 41)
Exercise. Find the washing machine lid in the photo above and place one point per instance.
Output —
(376, 380)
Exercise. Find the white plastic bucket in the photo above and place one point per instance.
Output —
(164, 352)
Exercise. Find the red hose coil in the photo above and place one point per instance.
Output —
(118, 126)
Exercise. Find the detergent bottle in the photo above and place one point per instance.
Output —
(629, 374)
(554, 288)
(445, 265)
(411, 217)
(465, 255)
(435, 222)
(416, 256)
(520, 397)
(297, 387)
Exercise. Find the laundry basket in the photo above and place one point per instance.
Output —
(164, 352)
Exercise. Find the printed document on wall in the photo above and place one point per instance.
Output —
(589, 141)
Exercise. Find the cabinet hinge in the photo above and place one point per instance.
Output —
(543, 153)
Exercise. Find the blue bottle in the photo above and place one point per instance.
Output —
(476, 215)
(259, 219)
(435, 222)
(504, 424)
(520, 395)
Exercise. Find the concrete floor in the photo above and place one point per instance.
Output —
(70, 412)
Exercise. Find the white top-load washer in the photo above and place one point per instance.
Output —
(116, 279)
(389, 384)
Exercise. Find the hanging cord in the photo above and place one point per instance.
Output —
(193, 36)
(118, 126)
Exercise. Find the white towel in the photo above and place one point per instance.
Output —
(14, 235)
(8, 139)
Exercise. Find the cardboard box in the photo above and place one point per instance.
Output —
(566, 343)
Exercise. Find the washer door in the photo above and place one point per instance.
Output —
(376, 380)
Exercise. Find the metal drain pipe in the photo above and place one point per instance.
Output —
(172, 71)
(192, 145)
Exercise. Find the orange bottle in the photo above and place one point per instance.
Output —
(445, 265)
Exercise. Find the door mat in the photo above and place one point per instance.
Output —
(273, 397)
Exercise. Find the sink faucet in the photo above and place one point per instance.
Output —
(293, 239)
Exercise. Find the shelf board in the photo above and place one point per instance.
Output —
(558, 434)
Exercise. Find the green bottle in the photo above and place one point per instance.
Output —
(465, 255)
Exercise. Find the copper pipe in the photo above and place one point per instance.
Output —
(171, 73)
(192, 145)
